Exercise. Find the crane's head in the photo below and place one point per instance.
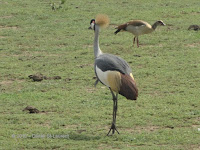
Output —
(101, 21)
(92, 24)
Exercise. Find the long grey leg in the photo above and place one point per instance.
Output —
(95, 84)
(113, 126)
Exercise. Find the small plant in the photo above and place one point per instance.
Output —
(54, 6)
(62, 2)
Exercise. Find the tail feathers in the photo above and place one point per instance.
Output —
(118, 30)
(128, 87)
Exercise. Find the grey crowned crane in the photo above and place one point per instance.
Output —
(138, 27)
(112, 71)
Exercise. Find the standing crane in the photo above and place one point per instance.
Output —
(138, 27)
(112, 71)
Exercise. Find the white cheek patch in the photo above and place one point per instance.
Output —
(92, 25)
(103, 76)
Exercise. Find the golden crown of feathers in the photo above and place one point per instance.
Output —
(102, 20)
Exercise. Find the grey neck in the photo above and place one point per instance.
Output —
(97, 50)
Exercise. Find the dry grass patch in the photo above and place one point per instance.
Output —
(9, 27)
(139, 129)
(2, 37)
(6, 83)
(193, 45)
(5, 17)
(90, 90)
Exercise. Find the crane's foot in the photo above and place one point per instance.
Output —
(113, 128)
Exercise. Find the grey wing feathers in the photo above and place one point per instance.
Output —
(111, 62)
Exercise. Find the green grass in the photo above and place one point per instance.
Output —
(34, 38)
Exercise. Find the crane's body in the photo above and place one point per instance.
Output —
(138, 27)
(113, 72)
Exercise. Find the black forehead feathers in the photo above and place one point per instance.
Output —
(92, 21)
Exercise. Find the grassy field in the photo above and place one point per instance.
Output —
(53, 39)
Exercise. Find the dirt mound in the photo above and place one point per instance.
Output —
(39, 77)
(31, 109)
